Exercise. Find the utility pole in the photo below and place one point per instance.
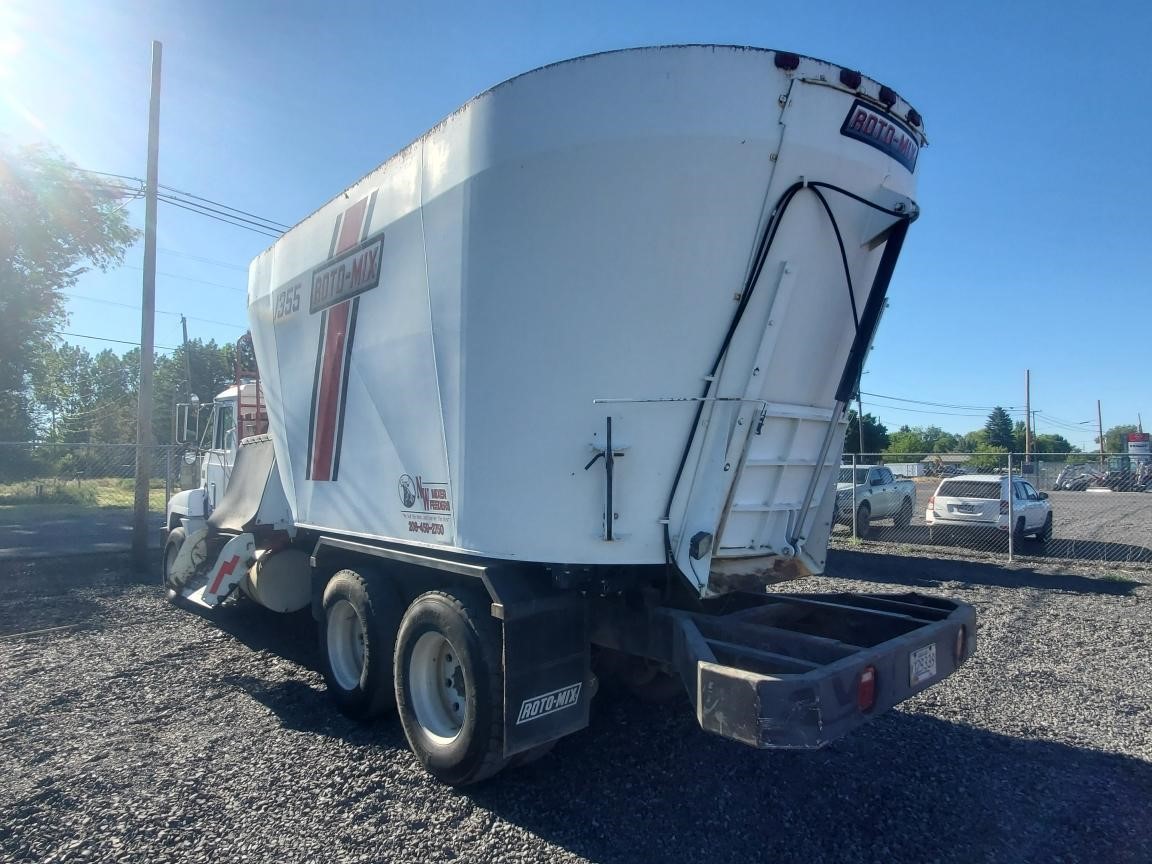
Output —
(187, 358)
(1100, 430)
(860, 422)
(1027, 416)
(147, 327)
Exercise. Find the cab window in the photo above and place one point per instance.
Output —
(224, 427)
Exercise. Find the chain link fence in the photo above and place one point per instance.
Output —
(79, 497)
(1077, 507)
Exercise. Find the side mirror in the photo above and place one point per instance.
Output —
(1043, 496)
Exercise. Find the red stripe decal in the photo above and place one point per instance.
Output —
(350, 230)
(326, 398)
(328, 392)
(226, 569)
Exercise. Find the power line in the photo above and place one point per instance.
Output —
(106, 339)
(876, 407)
(158, 311)
(218, 263)
(195, 208)
(943, 404)
(279, 225)
(207, 211)
(189, 279)
(212, 209)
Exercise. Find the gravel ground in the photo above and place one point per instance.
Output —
(144, 733)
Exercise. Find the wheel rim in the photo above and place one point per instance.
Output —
(346, 638)
(436, 682)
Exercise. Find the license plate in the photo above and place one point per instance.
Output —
(965, 508)
(922, 664)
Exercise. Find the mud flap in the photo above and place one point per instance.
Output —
(231, 565)
(548, 683)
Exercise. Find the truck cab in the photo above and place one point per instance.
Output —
(237, 413)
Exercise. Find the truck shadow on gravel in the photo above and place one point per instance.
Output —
(645, 784)
(905, 570)
(291, 637)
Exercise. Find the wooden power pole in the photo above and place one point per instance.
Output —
(147, 329)
(1027, 416)
(1100, 430)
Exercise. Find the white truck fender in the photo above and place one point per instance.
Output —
(191, 504)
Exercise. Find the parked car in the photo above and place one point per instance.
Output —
(1075, 478)
(935, 469)
(877, 495)
(979, 502)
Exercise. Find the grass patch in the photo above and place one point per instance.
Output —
(85, 493)
(1117, 577)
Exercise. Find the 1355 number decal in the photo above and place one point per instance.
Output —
(287, 302)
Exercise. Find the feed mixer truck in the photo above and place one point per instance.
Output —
(564, 382)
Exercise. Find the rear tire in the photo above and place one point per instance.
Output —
(863, 518)
(176, 538)
(360, 615)
(1018, 532)
(450, 686)
(1045, 533)
(903, 517)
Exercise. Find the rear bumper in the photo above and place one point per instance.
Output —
(1001, 524)
(786, 673)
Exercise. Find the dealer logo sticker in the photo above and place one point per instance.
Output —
(549, 703)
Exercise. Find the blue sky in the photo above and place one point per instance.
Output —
(1032, 250)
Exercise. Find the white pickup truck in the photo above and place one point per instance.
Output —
(875, 494)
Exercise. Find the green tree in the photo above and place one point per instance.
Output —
(213, 369)
(1116, 438)
(56, 222)
(921, 439)
(1051, 444)
(973, 442)
(998, 430)
(990, 458)
(875, 435)
(946, 443)
(1019, 437)
(114, 380)
(63, 390)
(907, 440)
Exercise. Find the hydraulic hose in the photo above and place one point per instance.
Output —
(865, 325)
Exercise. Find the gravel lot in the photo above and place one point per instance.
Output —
(144, 733)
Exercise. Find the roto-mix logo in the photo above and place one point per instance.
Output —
(549, 703)
(883, 132)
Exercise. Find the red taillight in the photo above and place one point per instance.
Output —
(1003, 507)
(866, 689)
(932, 503)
